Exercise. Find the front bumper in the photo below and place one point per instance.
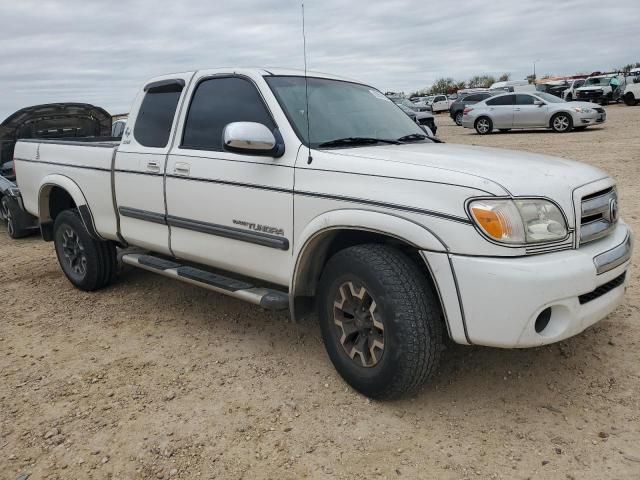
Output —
(500, 299)
(586, 119)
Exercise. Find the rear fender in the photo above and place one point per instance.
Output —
(74, 191)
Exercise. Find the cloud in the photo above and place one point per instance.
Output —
(102, 52)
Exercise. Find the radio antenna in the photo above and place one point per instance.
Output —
(306, 86)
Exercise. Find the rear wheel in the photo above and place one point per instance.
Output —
(484, 125)
(561, 122)
(89, 264)
(381, 322)
(458, 119)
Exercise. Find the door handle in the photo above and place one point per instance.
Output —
(517, 109)
(182, 168)
(153, 166)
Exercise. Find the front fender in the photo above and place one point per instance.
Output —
(352, 219)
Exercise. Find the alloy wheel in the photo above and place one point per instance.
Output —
(561, 123)
(458, 119)
(358, 324)
(73, 252)
(483, 125)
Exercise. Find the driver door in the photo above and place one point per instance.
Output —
(527, 114)
(232, 211)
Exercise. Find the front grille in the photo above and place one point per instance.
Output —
(590, 94)
(602, 289)
(599, 214)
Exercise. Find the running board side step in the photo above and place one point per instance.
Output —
(265, 297)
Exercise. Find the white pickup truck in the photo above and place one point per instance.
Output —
(335, 202)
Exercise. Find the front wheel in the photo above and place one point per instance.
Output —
(484, 125)
(561, 123)
(630, 100)
(88, 263)
(380, 319)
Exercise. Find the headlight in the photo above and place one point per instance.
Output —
(583, 110)
(519, 221)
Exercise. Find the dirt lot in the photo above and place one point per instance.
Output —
(155, 379)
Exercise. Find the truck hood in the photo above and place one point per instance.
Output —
(593, 87)
(504, 172)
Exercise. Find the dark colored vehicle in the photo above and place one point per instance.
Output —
(54, 120)
(457, 108)
(421, 118)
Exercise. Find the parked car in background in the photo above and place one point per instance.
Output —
(569, 94)
(457, 108)
(632, 93)
(531, 110)
(602, 89)
(335, 204)
(54, 120)
(118, 126)
(440, 103)
(508, 85)
(425, 119)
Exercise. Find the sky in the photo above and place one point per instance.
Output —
(101, 52)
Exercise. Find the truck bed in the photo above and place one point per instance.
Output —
(85, 162)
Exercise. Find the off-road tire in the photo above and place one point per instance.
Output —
(555, 123)
(479, 126)
(408, 308)
(100, 260)
(13, 215)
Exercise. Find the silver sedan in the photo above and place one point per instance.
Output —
(531, 110)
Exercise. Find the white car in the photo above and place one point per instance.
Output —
(440, 103)
(318, 194)
(601, 89)
(632, 94)
(570, 93)
(531, 110)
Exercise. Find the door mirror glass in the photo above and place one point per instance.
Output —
(251, 138)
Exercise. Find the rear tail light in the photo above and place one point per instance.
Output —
(467, 110)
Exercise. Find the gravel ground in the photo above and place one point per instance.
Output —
(155, 379)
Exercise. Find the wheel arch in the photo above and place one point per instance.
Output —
(336, 230)
(56, 194)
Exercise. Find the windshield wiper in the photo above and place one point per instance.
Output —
(418, 136)
(339, 142)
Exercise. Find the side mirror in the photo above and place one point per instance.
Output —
(538, 103)
(252, 138)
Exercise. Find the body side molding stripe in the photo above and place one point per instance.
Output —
(264, 239)
(145, 215)
(258, 238)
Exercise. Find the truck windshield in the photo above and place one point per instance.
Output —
(341, 110)
(597, 81)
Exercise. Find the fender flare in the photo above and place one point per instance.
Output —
(72, 188)
(311, 237)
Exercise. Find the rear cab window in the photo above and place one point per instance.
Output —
(155, 116)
